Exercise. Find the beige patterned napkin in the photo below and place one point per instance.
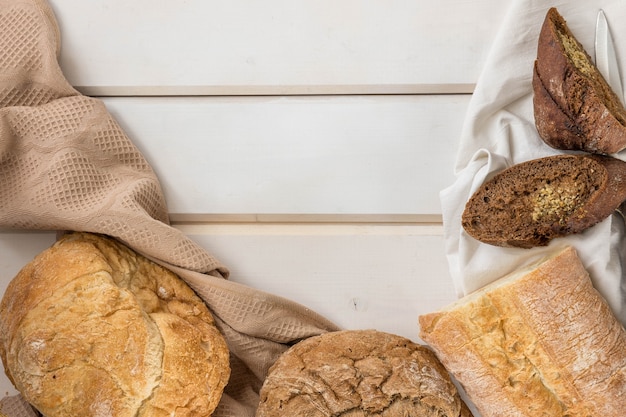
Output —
(65, 164)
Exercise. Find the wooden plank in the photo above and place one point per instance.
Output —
(367, 276)
(354, 155)
(117, 47)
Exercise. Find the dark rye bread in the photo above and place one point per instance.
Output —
(574, 107)
(359, 373)
(533, 202)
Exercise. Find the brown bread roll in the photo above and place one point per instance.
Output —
(359, 373)
(91, 328)
(540, 342)
(574, 106)
(533, 202)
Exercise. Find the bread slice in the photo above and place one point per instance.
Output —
(540, 342)
(574, 107)
(533, 202)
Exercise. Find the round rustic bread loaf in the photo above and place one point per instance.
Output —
(91, 328)
(358, 373)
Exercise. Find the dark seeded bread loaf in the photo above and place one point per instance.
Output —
(574, 107)
(533, 202)
(555, 126)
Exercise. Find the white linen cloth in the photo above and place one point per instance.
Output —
(499, 131)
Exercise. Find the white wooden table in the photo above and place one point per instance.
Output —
(303, 143)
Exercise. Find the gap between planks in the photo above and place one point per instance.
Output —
(309, 224)
(274, 90)
(297, 224)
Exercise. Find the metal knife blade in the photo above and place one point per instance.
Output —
(606, 60)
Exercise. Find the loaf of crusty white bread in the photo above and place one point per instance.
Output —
(540, 342)
(92, 328)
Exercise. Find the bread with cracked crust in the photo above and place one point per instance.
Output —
(540, 342)
(91, 328)
(359, 373)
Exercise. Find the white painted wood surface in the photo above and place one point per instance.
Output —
(275, 46)
(298, 155)
(303, 143)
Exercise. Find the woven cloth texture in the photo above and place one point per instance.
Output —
(16, 406)
(66, 164)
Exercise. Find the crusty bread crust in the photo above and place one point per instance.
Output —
(91, 328)
(574, 107)
(359, 373)
(555, 126)
(534, 202)
(541, 342)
